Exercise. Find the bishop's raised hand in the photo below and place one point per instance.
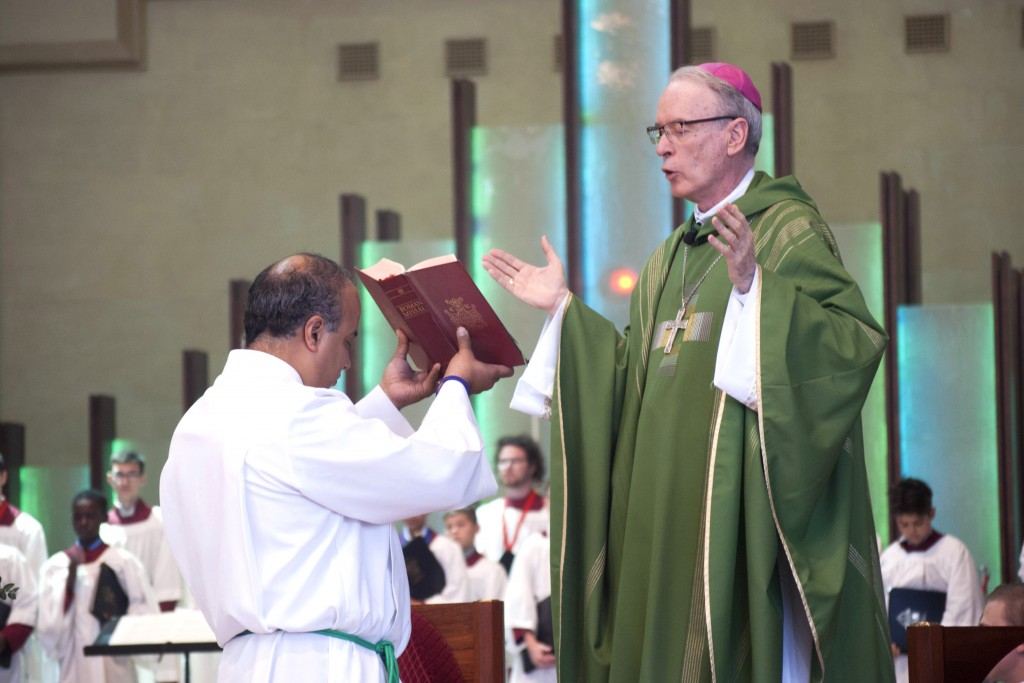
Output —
(542, 287)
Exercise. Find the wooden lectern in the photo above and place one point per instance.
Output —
(957, 654)
(475, 631)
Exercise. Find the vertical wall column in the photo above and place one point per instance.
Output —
(902, 275)
(389, 226)
(194, 376)
(1008, 314)
(12, 447)
(573, 123)
(353, 234)
(238, 294)
(463, 113)
(679, 47)
(102, 431)
(782, 122)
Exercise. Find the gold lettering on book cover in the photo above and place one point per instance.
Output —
(411, 309)
(464, 314)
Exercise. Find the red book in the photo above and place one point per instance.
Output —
(429, 301)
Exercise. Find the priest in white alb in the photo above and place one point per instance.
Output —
(279, 493)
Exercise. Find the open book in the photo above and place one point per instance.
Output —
(429, 302)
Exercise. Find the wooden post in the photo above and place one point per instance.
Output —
(12, 447)
(782, 122)
(572, 122)
(463, 96)
(353, 233)
(389, 226)
(679, 40)
(194, 376)
(102, 432)
(238, 295)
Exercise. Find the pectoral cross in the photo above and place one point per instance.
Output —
(678, 324)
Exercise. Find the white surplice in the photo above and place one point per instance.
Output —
(65, 633)
(494, 516)
(946, 566)
(278, 503)
(14, 568)
(146, 541)
(487, 579)
(529, 582)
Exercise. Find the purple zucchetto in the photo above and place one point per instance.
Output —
(736, 77)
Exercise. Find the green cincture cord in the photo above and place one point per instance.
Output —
(384, 648)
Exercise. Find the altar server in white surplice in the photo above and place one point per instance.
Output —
(926, 559)
(487, 578)
(448, 555)
(14, 569)
(67, 597)
(142, 527)
(527, 621)
(279, 494)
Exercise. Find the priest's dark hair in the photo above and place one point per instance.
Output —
(287, 293)
(92, 496)
(3, 463)
(910, 496)
(127, 458)
(531, 448)
(1012, 597)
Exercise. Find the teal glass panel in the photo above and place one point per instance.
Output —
(519, 180)
(626, 205)
(46, 494)
(948, 420)
(860, 245)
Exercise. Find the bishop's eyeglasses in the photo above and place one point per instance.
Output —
(674, 129)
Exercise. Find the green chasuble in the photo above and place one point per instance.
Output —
(673, 504)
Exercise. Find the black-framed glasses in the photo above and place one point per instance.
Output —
(675, 128)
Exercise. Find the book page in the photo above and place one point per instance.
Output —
(179, 626)
(436, 261)
(384, 269)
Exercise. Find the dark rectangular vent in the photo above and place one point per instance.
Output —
(702, 45)
(926, 33)
(358, 61)
(813, 40)
(559, 56)
(465, 57)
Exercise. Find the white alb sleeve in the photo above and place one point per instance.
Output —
(736, 364)
(534, 389)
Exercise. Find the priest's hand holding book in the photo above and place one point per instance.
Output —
(405, 386)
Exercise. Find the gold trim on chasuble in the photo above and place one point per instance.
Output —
(775, 259)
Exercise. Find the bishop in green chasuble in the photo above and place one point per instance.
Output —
(677, 511)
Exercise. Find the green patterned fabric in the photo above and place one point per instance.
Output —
(673, 504)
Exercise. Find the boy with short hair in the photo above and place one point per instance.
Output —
(487, 578)
(926, 559)
(67, 599)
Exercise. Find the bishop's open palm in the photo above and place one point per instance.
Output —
(542, 287)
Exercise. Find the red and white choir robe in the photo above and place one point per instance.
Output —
(278, 502)
(24, 532)
(487, 578)
(529, 582)
(64, 633)
(14, 568)
(506, 522)
(141, 532)
(940, 563)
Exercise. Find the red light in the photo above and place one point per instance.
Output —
(622, 281)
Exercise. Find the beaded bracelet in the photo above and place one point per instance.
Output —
(454, 378)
